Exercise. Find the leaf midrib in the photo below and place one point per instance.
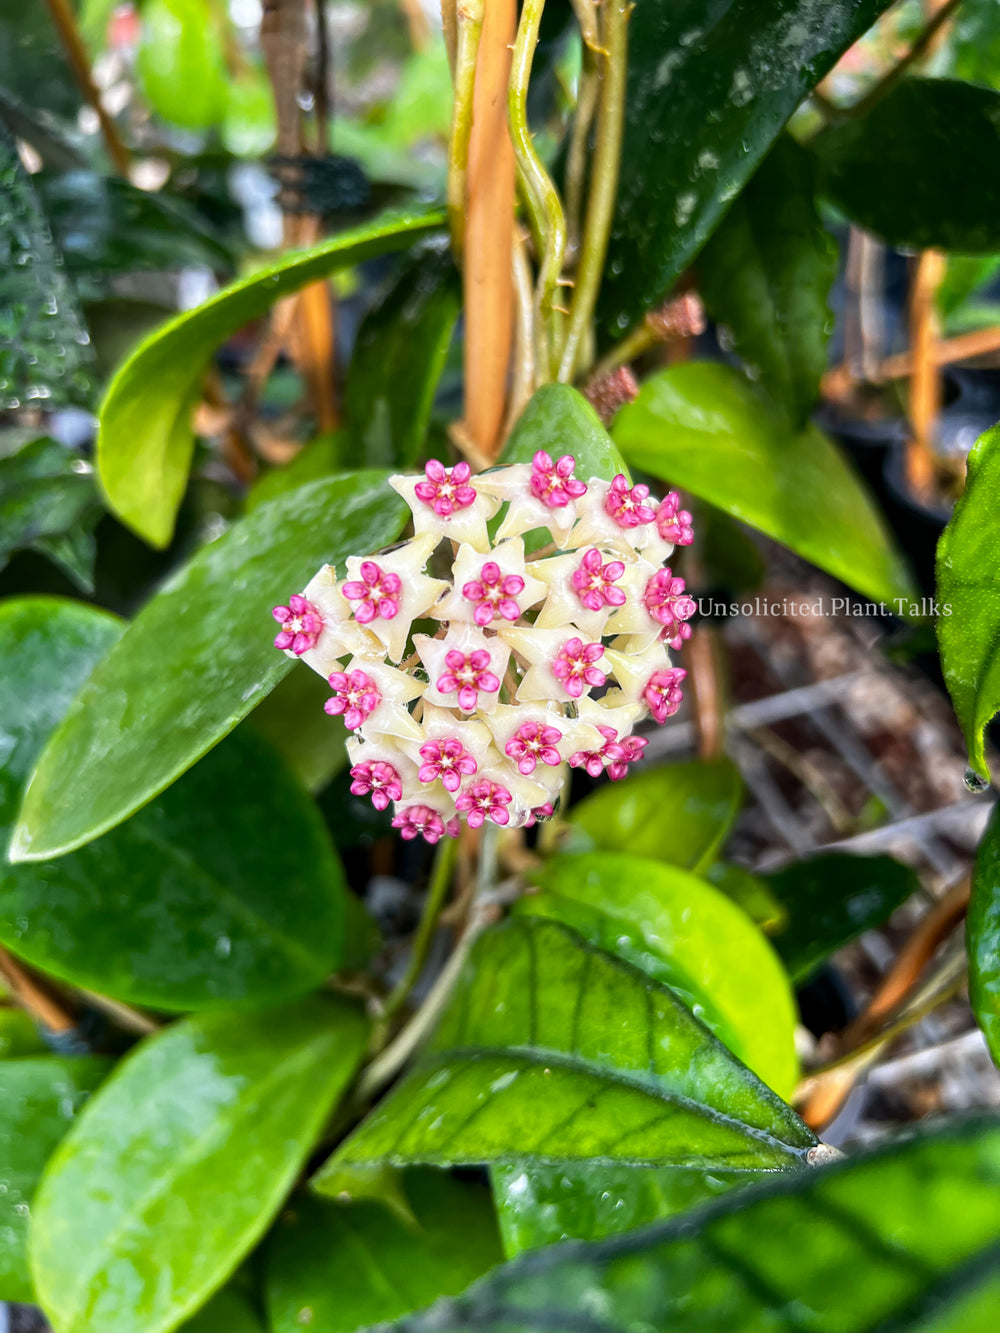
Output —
(199, 1146)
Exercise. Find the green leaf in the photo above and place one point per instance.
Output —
(19, 1036)
(983, 928)
(48, 498)
(39, 1099)
(230, 1310)
(179, 1163)
(145, 442)
(337, 1267)
(196, 660)
(398, 359)
(176, 908)
(181, 63)
(831, 900)
(547, 1204)
(559, 420)
(709, 89)
(318, 459)
(553, 1052)
(288, 718)
(678, 813)
(679, 930)
(968, 598)
(901, 170)
(751, 892)
(701, 426)
(766, 275)
(972, 45)
(900, 1239)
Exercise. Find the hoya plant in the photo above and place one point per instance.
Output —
(391, 933)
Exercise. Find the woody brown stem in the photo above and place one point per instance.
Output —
(65, 24)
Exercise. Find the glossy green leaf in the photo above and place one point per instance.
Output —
(983, 928)
(196, 660)
(49, 503)
(146, 440)
(39, 1098)
(288, 718)
(904, 1238)
(709, 87)
(542, 1205)
(398, 359)
(751, 892)
(766, 274)
(180, 1162)
(972, 43)
(902, 172)
(230, 1310)
(701, 426)
(679, 930)
(19, 1036)
(552, 1052)
(968, 596)
(559, 420)
(337, 1267)
(831, 900)
(176, 908)
(181, 63)
(318, 459)
(678, 813)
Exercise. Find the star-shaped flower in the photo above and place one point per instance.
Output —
(564, 664)
(338, 636)
(465, 669)
(606, 518)
(381, 769)
(386, 715)
(427, 819)
(524, 733)
(486, 592)
(617, 747)
(450, 749)
(431, 494)
(633, 670)
(498, 792)
(583, 588)
(542, 494)
(390, 591)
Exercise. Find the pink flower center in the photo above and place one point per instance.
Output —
(663, 694)
(356, 696)
(554, 483)
(667, 602)
(627, 505)
(423, 822)
(377, 593)
(674, 523)
(448, 760)
(484, 800)
(595, 761)
(467, 674)
(379, 778)
(574, 666)
(533, 742)
(446, 489)
(633, 747)
(494, 593)
(595, 582)
(301, 625)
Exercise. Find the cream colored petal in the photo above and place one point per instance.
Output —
(563, 605)
(465, 525)
(466, 639)
(416, 595)
(509, 555)
(633, 670)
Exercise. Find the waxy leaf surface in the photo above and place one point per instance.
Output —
(678, 813)
(559, 420)
(900, 1240)
(552, 1052)
(342, 1266)
(146, 439)
(679, 930)
(968, 585)
(197, 659)
(983, 929)
(181, 1161)
(702, 426)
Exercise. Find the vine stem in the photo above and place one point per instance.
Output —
(64, 20)
(604, 181)
(548, 222)
(468, 27)
(33, 996)
(437, 892)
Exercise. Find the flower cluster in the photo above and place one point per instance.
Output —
(530, 663)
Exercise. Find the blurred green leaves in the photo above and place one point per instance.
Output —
(983, 928)
(146, 439)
